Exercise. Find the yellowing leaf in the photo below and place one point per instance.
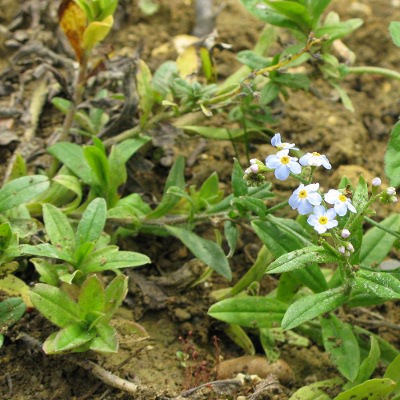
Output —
(96, 32)
(188, 60)
(16, 287)
(73, 22)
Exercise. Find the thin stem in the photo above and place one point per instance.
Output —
(133, 132)
(312, 41)
(383, 228)
(79, 89)
(374, 70)
(277, 207)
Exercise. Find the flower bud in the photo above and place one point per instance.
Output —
(391, 191)
(350, 248)
(254, 168)
(341, 249)
(376, 181)
(345, 233)
(394, 199)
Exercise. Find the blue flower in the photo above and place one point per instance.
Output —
(277, 142)
(283, 164)
(315, 160)
(340, 202)
(322, 219)
(305, 197)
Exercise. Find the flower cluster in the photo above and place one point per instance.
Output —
(306, 199)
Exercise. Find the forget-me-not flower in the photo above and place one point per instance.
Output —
(283, 164)
(305, 197)
(340, 202)
(322, 219)
(315, 160)
(277, 142)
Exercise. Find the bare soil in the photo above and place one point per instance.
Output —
(176, 318)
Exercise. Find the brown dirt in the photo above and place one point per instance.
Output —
(355, 142)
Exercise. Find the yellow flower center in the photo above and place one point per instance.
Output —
(343, 198)
(285, 160)
(323, 220)
(316, 154)
(303, 194)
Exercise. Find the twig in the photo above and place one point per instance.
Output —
(107, 377)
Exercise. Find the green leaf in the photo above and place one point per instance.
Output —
(11, 310)
(369, 364)
(58, 229)
(269, 15)
(301, 258)
(5, 236)
(374, 389)
(282, 236)
(219, 133)
(240, 337)
(316, 8)
(231, 235)
(71, 155)
(206, 250)
(71, 337)
(127, 148)
(254, 274)
(72, 184)
(317, 391)
(92, 223)
(393, 373)
(45, 250)
(163, 77)
(344, 97)
(380, 284)
(294, 81)
(388, 351)
(98, 163)
(47, 271)
(109, 259)
(91, 297)
(145, 91)
(252, 59)
(394, 29)
(54, 304)
(22, 190)
(376, 243)
(246, 203)
(340, 342)
(250, 312)
(310, 307)
(269, 93)
(106, 340)
(115, 293)
(169, 201)
(392, 157)
(339, 29)
(239, 186)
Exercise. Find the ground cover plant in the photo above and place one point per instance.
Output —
(107, 194)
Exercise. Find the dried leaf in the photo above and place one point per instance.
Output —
(73, 22)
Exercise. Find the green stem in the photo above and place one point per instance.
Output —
(374, 70)
(383, 228)
(133, 132)
(277, 207)
(79, 89)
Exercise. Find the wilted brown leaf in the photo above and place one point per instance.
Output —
(73, 22)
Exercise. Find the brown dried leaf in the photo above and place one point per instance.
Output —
(73, 22)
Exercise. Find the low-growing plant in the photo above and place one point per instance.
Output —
(329, 229)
